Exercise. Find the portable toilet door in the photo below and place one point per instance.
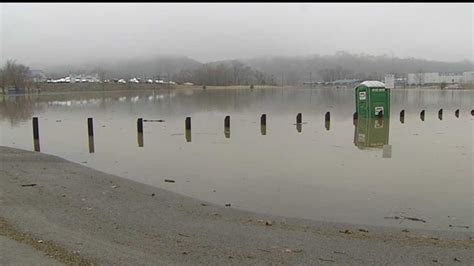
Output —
(361, 93)
(372, 99)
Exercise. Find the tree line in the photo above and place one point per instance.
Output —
(224, 73)
(14, 75)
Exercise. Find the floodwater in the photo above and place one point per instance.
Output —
(329, 171)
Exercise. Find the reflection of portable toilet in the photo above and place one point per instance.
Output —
(372, 133)
(372, 98)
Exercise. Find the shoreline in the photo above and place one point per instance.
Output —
(93, 217)
(110, 87)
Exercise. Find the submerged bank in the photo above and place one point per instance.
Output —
(96, 217)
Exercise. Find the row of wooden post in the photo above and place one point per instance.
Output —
(263, 124)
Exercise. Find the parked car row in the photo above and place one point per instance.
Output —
(120, 81)
(73, 80)
(138, 80)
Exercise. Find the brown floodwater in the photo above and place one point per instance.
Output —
(337, 171)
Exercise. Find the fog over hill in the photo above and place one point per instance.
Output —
(288, 70)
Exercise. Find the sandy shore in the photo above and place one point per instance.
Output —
(76, 215)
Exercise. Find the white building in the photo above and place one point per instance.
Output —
(84, 78)
(437, 78)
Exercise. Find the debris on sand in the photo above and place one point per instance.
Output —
(321, 259)
(459, 226)
(266, 222)
(347, 231)
(169, 180)
(29, 185)
(406, 218)
(363, 230)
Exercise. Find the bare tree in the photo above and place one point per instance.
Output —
(16, 75)
(2, 80)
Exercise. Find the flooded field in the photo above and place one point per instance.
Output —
(377, 171)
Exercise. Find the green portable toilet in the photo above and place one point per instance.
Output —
(372, 97)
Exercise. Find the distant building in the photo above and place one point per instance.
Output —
(38, 75)
(77, 78)
(438, 78)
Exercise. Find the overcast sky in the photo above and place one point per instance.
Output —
(37, 34)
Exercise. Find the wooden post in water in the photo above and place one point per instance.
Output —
(140, 132)
(422, 115)
(140, 125)
(456, 113)
(440, 114)
(90, 127)
(188, 129)
(263, 124)
(188, 123)
(90, 131)
(227, 126)
(402, 116)
(36, 134)
(355, 117)
(298, 118)
(227, 122)
(327, 120)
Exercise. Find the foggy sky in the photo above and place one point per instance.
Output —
(41, 34)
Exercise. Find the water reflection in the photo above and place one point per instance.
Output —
(371, 133)
(91, 144)
(299, 127)
(140, 139)
(188, 135)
